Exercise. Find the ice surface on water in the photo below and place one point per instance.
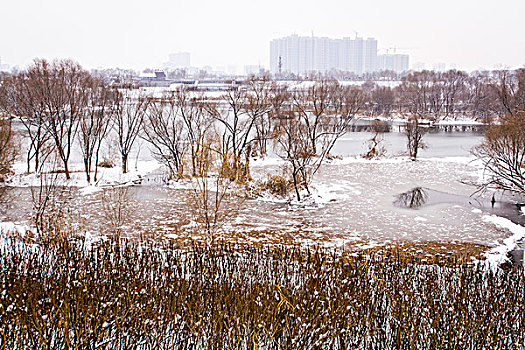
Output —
(356, 203)
(351, 202)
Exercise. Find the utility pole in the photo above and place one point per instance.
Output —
(280, 66)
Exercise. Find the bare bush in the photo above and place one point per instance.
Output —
(51, 212)
(116, 208)
(276, 185)
(8, 150)
(376, 149)
(214, 195)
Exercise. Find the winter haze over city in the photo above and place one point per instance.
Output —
(262, 175)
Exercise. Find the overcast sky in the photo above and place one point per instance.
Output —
(136, 34)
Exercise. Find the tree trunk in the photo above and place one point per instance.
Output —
(124, 164)
(88, 170)
(66, 171)
(96, 167)
(295, 184)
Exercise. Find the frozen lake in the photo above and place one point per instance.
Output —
(352, 200)
(439, 144)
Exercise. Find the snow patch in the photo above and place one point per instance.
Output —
(419, 218)
(11, 227)
(266, 161)
(498, 255)
(106, 176)
(325, 192)
(89, 190)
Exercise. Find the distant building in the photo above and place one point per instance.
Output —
(178, 60)
(418, 66)
(3, 67)
(394, 62)
(439, 67)
(303, 55)
(156, 78)
(231, 69)
(252, 69)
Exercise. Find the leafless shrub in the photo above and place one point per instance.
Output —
(375, 147)
(106, 163)
(116, 208)
(215, 196)
(414, 198)
(51, 212)
(276, 185)
(8, 150)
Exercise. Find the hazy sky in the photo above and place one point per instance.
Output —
(138, 34)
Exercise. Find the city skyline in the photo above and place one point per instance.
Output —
(131, 34)
(303, 55)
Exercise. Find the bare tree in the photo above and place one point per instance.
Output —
(95, 123)
(510, 91)
(128, 119)
(22, 97)
(455, 83)
(383, 99)
(307, 131)
(278, 96)
(313, 106)
(164, 129)
(257, 106)
(294, 147)
(64, 95)
(50, 209)
(503, 154)
(414, 133)
(198, 122)
(236, 135)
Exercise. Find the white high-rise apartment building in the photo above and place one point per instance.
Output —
(396, 62)
(178, 60)
(303, 55)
